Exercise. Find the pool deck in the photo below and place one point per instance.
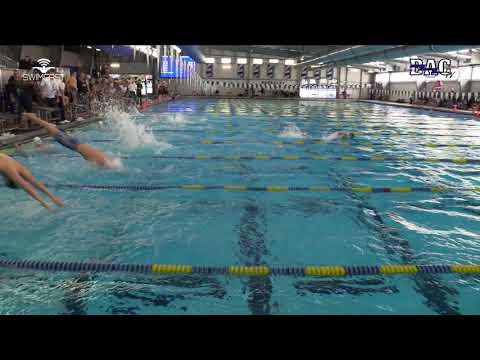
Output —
(422, 107)
(28, 136)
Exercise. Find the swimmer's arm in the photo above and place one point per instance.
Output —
(330, 137)
(29, 177)
(17, 179)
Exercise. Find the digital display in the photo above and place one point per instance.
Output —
(169, 68)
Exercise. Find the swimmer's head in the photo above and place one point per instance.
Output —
(37, 140)
(351, 135)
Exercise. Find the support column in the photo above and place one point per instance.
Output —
(338, 81)
(249, 69)
(361, 84)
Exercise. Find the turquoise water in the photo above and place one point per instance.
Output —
(228, 228)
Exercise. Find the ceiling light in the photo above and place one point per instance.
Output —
(273, 61)
(241, 60)
(258, 61)
(114, 65)
(225, 60)
(89, 47)
(210, 60)
(98, 49)
(289, 62)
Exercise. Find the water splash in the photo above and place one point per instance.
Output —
(292, 131)
(131, 133)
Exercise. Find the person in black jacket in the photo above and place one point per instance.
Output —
(24, 94)
(10, 95)
(139, 91)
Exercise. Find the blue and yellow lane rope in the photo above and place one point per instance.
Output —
(229, 127)
(239, 270)
(373, 134)
(342, 143)
(313, 158)
(273, 188)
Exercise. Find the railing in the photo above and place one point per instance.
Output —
(7, 62)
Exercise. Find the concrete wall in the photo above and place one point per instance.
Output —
(35, 51)
(71, 59)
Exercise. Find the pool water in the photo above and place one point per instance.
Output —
(215, 227)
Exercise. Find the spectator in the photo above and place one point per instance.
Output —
(29, 63)
(132, 89)
(10, 94)
(139, 91)
(62, 99)
(71, 88)
(24, 94)
(25, 63)
(38, 95)
(50, 90)
(82, 85)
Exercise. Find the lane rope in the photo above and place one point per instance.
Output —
(238, 270)
(356, 133)
(310, 142)
(362, 189)
(297, 158)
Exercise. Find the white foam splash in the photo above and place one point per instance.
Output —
(292, 131)
(6, 135)
(178, 119)
(116, 164)
(134, 111)
(131, 133)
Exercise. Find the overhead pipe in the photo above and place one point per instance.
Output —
(404, 51)
(354, 51)
(194, 52)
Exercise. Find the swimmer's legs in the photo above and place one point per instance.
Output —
(51, 129)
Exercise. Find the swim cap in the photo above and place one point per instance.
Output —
(36, 139)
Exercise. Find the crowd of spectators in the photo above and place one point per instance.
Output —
(75, 94)
(452, 101)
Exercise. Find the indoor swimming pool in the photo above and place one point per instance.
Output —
(218, 172)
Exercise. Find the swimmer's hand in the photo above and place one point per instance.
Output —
(57, 201)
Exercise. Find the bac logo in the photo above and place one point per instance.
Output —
(430, 67)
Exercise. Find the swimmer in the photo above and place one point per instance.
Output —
(18, 176)
(88, 152)
(38, 146)
(339, 135)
